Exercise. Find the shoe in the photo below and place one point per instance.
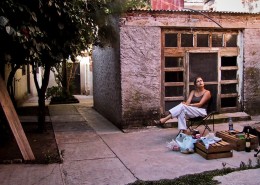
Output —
(158, 123)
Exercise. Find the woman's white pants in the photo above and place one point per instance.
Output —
(183, 112)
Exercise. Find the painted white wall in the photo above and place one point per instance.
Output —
(86, 82)
(234, 5)
(194, 4)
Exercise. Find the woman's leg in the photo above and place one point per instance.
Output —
(181, 112)
(174, 112)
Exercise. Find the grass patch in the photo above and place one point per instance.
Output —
(204, 178)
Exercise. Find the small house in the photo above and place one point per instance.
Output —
(151, 66)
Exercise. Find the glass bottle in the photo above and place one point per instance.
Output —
(230, 124)
(248, 142)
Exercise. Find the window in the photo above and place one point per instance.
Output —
(173, 91)
(173, 76)
(229, 82)
(171, 40)
(186, 40)
(173, 62)
(231, 40)
(217, 40)
(202, 40)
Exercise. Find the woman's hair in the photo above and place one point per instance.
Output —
(195, 79)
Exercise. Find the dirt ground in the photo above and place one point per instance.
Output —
(43, 145)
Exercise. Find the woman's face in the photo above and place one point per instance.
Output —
(199, 82)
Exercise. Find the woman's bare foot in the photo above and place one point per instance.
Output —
(157, 122)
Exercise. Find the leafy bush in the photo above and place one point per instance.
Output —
(54, 91)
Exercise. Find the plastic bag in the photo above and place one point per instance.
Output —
(210, 139)
(173, 145)
(186, 143)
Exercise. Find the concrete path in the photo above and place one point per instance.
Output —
(95, 152)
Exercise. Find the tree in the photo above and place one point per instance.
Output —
(45, 32)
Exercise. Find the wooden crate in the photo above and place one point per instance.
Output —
(236, 143)
(217, 150)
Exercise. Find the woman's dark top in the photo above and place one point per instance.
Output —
(196, 99)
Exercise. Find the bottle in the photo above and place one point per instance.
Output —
(230, 124)
(248, 142)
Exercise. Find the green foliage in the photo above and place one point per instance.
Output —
(204, 178)
(47, 32)
(54, 91)
(55, 29)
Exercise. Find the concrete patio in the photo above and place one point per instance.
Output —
(96, 152)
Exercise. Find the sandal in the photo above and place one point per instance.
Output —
(158, 123)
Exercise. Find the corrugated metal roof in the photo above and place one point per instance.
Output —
(191, 10)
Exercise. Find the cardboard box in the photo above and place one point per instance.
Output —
(236, 143)
(217, 150)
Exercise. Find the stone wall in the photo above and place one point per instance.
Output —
(140, 50)
(252, 71)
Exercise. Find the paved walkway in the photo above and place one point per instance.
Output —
(96, 152)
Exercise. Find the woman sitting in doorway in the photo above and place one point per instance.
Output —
(195, 106)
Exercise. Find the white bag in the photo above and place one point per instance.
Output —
(186, 143)
(173, 145)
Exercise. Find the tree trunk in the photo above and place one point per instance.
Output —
(41, 111)
(41, 96)
(64, 78)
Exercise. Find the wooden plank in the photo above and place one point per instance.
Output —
(173, 84)
(173, 69)
(14, 122)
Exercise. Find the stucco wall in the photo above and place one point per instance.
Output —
(252, 70)
(140, 50)
(20, 83)
(106, 83)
